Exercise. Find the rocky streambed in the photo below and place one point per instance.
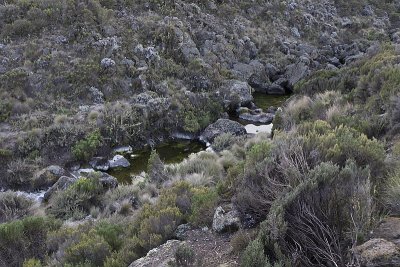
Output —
(125, 163)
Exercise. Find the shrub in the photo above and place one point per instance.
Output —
(13, 206)
(155, 168)
(185, 256)
(204, 201)
(24, 239)
(240, 240)
(91, 249)
(32, 263)
(19, 173)
(77, 199)
(254, 255)
(223, 141)
(86, 148)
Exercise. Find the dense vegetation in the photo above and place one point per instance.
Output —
(127, 72)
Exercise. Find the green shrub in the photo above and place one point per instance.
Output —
(32, 263)
(204, 201)
(91, 249)
(185, 256)
(77, 199)
(155, 168)
(111, 234)
(13, 206)
(254, 255)
(24, 239)
(223, 141)
(86, 148)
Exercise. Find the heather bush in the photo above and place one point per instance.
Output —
(87, 148)
(13, 206)
(77, 200)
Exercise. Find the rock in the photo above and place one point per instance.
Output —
(181, 231)
(254, 129)
(236, 93)
(296, 72)
(123, 150)
(295, 32)
(264, 118)
(260, 84)
(96, 95)
(107, 63)
(219, 127)
(99, 164)
(119, 161)
(388, 229)
(47, 177)
(275, 89)
(378, 252)
(272, 72)
(159, 256)
(108, 181)
(225, 221)
(63, 183)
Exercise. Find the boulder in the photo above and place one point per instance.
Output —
(118, 161)
(378, 252)
(47, 177)
(99, 164)
(225, 221)
(108, 181)
(388, 229)
(107, 63)
(259, 83)
(264, 118)
(272, 72)
(236, 93)
(159, 256)
(219, 127)
(275, 89)
(123, 150)
(63, 183)
(296, 72)
(182, 230)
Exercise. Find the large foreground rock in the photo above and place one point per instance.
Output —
(378, 252)
(225, 221)
(159, 256)
(222, 126)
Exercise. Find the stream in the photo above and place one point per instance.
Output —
(176, 151)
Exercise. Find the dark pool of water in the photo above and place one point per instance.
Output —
(265, 101)
(177, 151)
(170, 152)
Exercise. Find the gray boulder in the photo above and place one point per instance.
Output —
(108, 181)
(225, 221)
(63, 183)
(222, 126)
(378, 252)
(264, 118)
(107, 63)
(236, 93)
(118, 161)
(47, 176)
(160, 256)
(296, 72)
(100, 164)
(275, 89)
